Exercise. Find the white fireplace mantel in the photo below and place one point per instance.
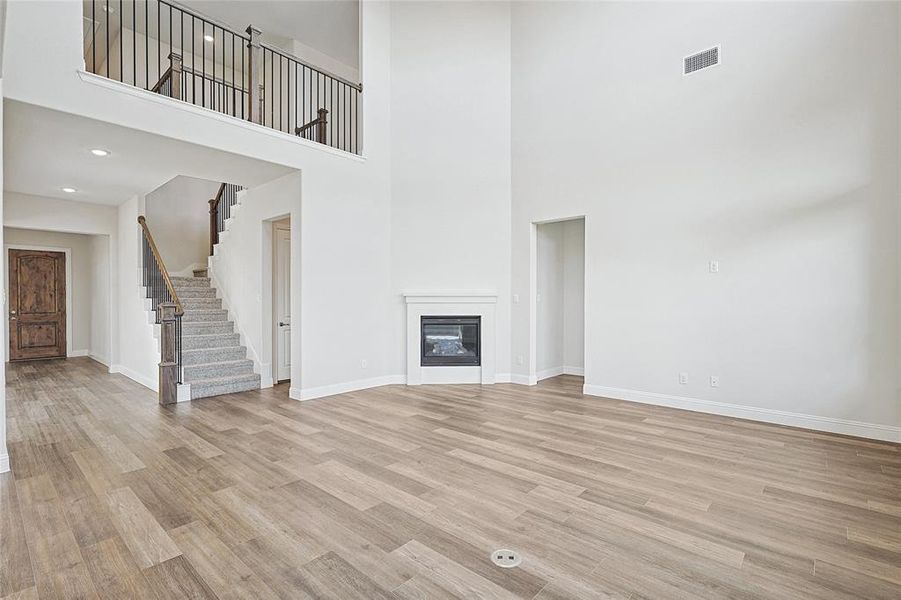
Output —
(470, 303)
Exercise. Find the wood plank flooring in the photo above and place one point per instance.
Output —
(402, 493)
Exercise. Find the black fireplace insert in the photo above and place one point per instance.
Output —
(450, 341)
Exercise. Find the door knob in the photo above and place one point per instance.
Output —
(280, 324)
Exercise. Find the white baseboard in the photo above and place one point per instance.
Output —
(183, 392)
(4, 463)
(343, 388)
(522, 379)
(552, 372)
(76, 353)
(134, 376)
(103, 360)
(888, 433)
(555, 371)
(503, 378)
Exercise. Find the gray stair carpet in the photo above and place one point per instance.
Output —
(213, 358)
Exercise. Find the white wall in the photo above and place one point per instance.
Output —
(139, 352)
(178, 216)
(4, 456)
(574, 296)
(781, 164)
(100, 302)
(84, 290)
(549, 298)
(450, 153)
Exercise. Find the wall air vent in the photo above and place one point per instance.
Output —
(701, 60)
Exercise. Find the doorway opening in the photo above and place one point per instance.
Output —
(59, 296)
(281, 300)
(560, 299)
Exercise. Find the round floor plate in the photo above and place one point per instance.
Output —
(505, 558)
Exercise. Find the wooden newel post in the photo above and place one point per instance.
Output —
(168, 382)
(214, 223)
(175, 78)
(254, 75)
(321, 126)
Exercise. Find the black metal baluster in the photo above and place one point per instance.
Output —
(147, 44)
(107, 38)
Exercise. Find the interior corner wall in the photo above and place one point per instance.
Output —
(573, 296)
(781, 164)
(450, 153)
(4, 456)
(550, 300)
(139, 351)
(178, 215)
(100, 262)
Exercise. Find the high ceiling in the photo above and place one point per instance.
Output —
(330, 26)
(45, 151)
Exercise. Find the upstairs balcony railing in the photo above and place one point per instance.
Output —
(162, 47)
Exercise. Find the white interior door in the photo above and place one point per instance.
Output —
(282, 309)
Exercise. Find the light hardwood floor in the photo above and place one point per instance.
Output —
(402, 493)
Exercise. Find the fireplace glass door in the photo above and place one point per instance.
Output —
(450, 341)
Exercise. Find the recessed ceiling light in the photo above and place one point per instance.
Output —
(208, 37)
(100, 152)
(69, 190)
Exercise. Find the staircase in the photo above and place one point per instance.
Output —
(214, 361)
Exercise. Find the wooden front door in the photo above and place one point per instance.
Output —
(37, 304)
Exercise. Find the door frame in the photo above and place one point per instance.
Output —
(69, 314)
(277, 225)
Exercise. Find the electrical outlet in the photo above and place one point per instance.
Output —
(364, 363)
(683, 378)
(714, 266)
(519, 359)
(515, 298)
(714, 381)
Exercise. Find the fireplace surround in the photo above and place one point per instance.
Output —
(462, 304)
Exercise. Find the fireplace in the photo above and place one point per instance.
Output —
(450, 341)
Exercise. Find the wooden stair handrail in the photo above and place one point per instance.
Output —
(179, 310)
(321, 121)
(214, 218)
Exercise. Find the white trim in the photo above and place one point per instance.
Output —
(183, 392)
(69, 316)
(4, 463)
(547, 373)
(458, 302)
(125, 88)
(579, 371)
(134, 376)
(888, 433)
(502, 378)
(103, 360)
(343, 388)
(520, 379)
(452, 297)
(76, 353)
